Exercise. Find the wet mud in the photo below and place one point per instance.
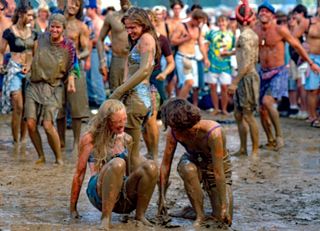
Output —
(275, 191)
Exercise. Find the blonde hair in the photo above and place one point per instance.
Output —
(99, 126)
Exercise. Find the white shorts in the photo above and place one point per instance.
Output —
(214, 78)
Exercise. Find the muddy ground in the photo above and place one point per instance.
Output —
(276, 191)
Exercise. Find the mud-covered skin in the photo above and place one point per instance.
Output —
(79, 33)
(212, 149)
(138, 186)
(245, 88)
(120, 47)
(139, 73)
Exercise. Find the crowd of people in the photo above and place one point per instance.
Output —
(137, 65)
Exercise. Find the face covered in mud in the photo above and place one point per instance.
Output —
(118, 121)
(133, 29)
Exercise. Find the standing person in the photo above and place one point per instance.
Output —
(245, 86)
(120, 46)
(312, 85)
(135, 91)
(41, 22)
(4, 24)
(95, 82)
(206, 160)
(158, 94)
(221, 43)
(114, 186)
(53, 64)
(76, 102)
(273, 73)
(185, 37)
(21, 41)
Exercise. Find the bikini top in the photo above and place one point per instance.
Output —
(205, 137)
(123, 155)
(18, 44)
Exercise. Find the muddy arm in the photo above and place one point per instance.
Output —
(84, 42)
(147, 50)
(171, 145)
(3, 47)
(85, 149)
(216, 144)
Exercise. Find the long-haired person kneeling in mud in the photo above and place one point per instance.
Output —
(205, 162)
(114, 186)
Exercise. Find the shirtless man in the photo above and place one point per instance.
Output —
(120, 46)
(273, 73)
(311, 28)
(205, 162)
(246, 84)
(185, 37)
(175, 20)
(78, 32)
(95, 81)
(4, 24)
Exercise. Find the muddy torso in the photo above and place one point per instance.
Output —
(52, 62)
(119, 36)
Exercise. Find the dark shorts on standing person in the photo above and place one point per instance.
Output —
(116, 74)
(274, 82)
(246, 96)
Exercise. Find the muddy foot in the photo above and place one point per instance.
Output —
(225, 113)
(59, 162)
(268, 146)
(187, 213)
(41, 160)
(240, 153)
(105, 224)
(140, 222)
(215, 112)
(279, 143)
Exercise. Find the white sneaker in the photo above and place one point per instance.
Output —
(302, 115)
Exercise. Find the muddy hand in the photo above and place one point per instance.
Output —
(225, 217)
(232, 88)
(162, 209)
(74, 214)
(71, 86)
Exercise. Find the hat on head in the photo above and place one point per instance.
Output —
(267, 6)
(91, 4)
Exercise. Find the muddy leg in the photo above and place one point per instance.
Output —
(61, 126)
(36, 139)
(76, 128)
(151, 133)
(189, 174)
(135, 156)
(243, 131)
(269, 103)
(266, 124)
(53, 140)
(140, 185)
(254, 130)
(17, 106)
(109, 186)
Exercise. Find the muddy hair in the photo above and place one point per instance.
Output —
(179, 114)
(242, 12)
(140, 17)
(23, 7)
(99, 126)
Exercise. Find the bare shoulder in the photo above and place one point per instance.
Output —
(147, 41)
(86, 139)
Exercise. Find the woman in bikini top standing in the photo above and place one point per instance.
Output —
(21, 40)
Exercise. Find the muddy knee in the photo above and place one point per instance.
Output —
(187, 170)
(150, 168)
(117, 165)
